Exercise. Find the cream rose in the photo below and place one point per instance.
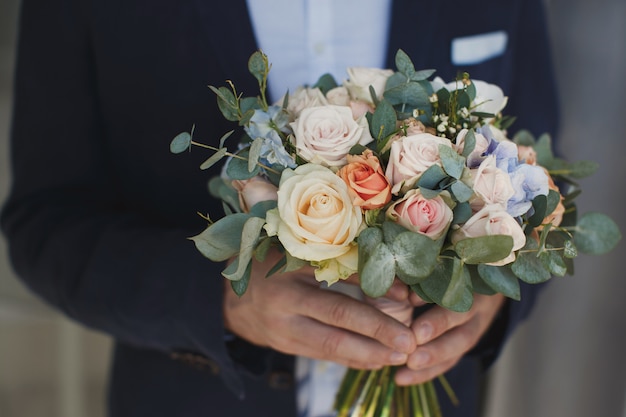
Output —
(360, 79)
(410, 156)
(492, 220)
(301, 99)
(254, 190)
(430, 217)
(314, 219)
(325, 134)
(491, 184)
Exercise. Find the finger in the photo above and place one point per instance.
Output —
(338, 310)
(406, 376)
(313, 339)
(436, 321)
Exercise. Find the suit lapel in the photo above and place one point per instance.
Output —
(413, 26)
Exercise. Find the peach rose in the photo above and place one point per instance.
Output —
(430, 217)
(254, 190)
(492, 220)
(527, 155)
(556, 217)
(366, 181)
(410, 156)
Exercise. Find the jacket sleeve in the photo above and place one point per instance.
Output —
(72, 237)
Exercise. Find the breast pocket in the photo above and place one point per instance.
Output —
(476, 49)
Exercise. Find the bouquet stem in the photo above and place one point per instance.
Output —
(375, 394)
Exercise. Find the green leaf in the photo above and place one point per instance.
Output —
(432, 178)
(367, 241)
(440, 282)
(452, 162)
(258, 66)
(325, 83)
(478, 284)
(484, 249)
(224, 137)
(553, 261)
(215, 158)
(249, 239)
(227, 103)
(261, 208)
(528, 267)
(569, 249)
(241, 286)
(524, 138)
(180, 143)
(462, 192)
(237, 168)
(458, 296)
(404, 63)
(222, 239)
(501, 279)
(383, 122)
(293, 263)
(543, 147)
(540, 203)
(462, 213)
(254, 153)
(412, 94)
(378, 271)
(596, 234)
(417, 289)
(391, 230)
(422, 75)
(262, 249)
(469, 143)
(415, 255)
(578, 169)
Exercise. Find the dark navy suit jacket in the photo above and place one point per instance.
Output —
(99, 211)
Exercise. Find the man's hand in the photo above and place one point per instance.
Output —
(290, 313)
(444, 336)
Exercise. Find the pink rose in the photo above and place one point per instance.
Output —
(366, 181)
(430, 217)
(491, 184)
(410, 156)
(482, 143)
(254, 190)
(492, 220)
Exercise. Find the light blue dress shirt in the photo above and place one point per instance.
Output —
(305, 39)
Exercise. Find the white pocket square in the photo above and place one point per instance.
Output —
(470, 50)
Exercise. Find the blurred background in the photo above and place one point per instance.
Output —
(568, 359)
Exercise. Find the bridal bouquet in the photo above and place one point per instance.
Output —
(394, 175)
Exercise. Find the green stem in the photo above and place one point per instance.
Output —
(233, 155)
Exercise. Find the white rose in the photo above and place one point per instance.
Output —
(410, 156)
(301, 99)
(492, 220)
(360, 79)
(339, 96)
(314, 219)
(489, 97)
(491, 184)
(324, 135)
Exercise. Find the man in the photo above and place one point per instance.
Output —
(99, 212)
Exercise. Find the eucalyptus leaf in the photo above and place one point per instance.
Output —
(391, 230)
(553, 261)
(258, 66)
(383, 122)
(262, 249)
(293, 263)
(222, 239)
(240, 287)
(528, 267)
(368, 240)
(325, 83)
(452, 162)
(540, 204)
(458, 296)
(524, 138)
(227, 103)
(569, 249)
(254, 153)
(404, 64)
(378, 271)
(417, 289)
(501, 279)
(415, 255)
(462, 212)
(213, 159)
(422, 75)
(180, 143)
(478, 284)
(543, 147)
(237, 168)
(484, 249)
(261, 208)
(249, 239)
(462, 192)
(432, 177)
(411, 94)
(469, 143)
(596, 234)
(224, 137)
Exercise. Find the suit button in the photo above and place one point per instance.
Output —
(280, 380)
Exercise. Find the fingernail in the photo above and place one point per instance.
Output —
(420, 359)
(424, 333)
(404, 379)
(398, 358)
(402, 343)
